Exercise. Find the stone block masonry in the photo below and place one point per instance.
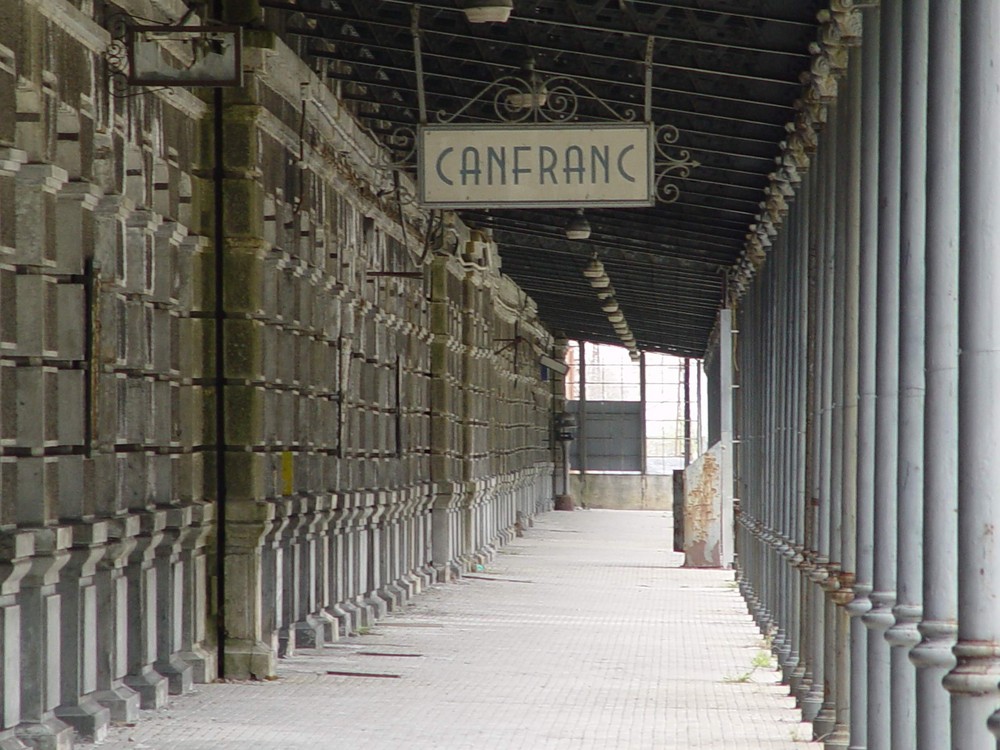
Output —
(378, 430)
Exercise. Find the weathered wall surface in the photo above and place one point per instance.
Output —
(377, 432)
(623, 491)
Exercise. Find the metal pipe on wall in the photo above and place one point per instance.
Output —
(933, 656)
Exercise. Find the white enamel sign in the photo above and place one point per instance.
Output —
(549, 165)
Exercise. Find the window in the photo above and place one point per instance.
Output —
(632, 415)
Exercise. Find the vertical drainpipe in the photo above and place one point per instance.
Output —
(218, 175)
(903, 635)
(867, 188)
(883, 596)
(975, 682)
(933, 657)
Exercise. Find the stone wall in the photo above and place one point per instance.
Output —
(623, 491)
(383, 419)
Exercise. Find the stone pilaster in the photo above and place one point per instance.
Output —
(171, 602)
(79, 706)
(112, 635)
(41, 614)
(142, 622)
(16, 551)
(194, 647)
(251, 648)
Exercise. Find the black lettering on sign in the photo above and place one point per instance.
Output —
(498, 158)
(470, 165)
(574, 165)
(518, 169)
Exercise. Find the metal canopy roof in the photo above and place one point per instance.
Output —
(726, 73)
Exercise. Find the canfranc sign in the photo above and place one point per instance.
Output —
(494, 166)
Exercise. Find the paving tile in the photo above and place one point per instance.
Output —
(585, 633)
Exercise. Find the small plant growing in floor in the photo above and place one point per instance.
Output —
(761, 660)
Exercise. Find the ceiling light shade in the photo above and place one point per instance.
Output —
(606, 292)
(601, 282)
(634, 355)
(617, 317)
(595, 271)
(487, 11)
(578, 228)
(610, 306)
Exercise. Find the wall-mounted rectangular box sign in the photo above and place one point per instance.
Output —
(532, 166)
(185, 55)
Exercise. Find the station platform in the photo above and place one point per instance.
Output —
(583, 633)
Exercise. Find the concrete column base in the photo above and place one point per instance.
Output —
(366, 613)
(88, 717)
(352, 617)
(204, 666)
(330, 626)
(179, 674)
(411, 585)
(249, 660)
(341, 620)
(427, 575)
(50, 734)
(151, 686)
(122, 701)
(9, 741)
(309, 633)
(378, 607)
(393, 595)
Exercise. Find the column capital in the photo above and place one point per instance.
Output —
(11, 160)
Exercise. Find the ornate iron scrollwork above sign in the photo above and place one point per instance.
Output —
(533, 98)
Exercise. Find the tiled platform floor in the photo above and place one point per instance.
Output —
(584, 633)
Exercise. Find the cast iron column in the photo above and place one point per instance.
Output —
(883, 597)
(903, 635)
(933, 657)
(975, 682)
(867, 295)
